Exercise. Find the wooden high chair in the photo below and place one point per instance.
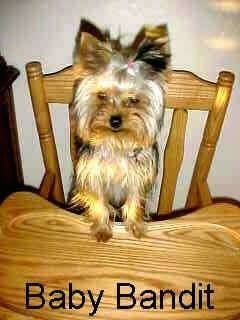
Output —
(185, 91)
(41, 243)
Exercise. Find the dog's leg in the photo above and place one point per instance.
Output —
(113, 212)
(133, 211)
(97, 213)
(99, 216)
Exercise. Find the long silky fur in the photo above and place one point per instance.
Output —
(153, 54)
(115, 170)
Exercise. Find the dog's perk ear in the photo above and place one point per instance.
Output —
(91, 54)
(154, 54)
(89, 27)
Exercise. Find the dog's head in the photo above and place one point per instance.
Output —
(120, 101)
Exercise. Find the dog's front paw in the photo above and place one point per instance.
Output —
(102, 232)
(137, 228)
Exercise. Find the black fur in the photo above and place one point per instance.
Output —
(153, 54)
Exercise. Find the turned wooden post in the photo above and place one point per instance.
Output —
(199, 194)
(44, 127)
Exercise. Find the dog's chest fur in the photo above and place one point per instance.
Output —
(116, 174)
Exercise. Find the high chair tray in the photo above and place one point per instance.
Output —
(43, 249)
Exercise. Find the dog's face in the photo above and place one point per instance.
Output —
(116, 103)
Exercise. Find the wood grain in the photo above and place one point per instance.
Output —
(44, 126)
(47, 185)
(184, 89)
(173, 156)
(204, 194)
(42, 243)
(209, 142)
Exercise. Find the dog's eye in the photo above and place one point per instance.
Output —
(102, 96)
(132, 101)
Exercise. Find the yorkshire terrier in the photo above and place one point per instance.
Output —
(118, 107)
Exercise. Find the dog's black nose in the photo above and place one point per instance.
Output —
(115, 122)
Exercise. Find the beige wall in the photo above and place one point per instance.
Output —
(204, 38)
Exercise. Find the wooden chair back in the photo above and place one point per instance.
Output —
(185, 91)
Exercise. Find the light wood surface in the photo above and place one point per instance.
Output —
(46, 187)
(184, 91)
(44, 127)
(173, 157)
(42, 243)
(198, 189)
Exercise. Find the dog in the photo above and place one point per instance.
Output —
(118, 107)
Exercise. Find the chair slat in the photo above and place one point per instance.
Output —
(44, 127)
(59, 86)
(204, 194)
(73, 148)
(173, 157)
(184, 89)
(210, 137)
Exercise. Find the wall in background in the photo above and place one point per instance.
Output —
(204, 39)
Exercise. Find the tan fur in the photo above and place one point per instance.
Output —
(116, 166)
